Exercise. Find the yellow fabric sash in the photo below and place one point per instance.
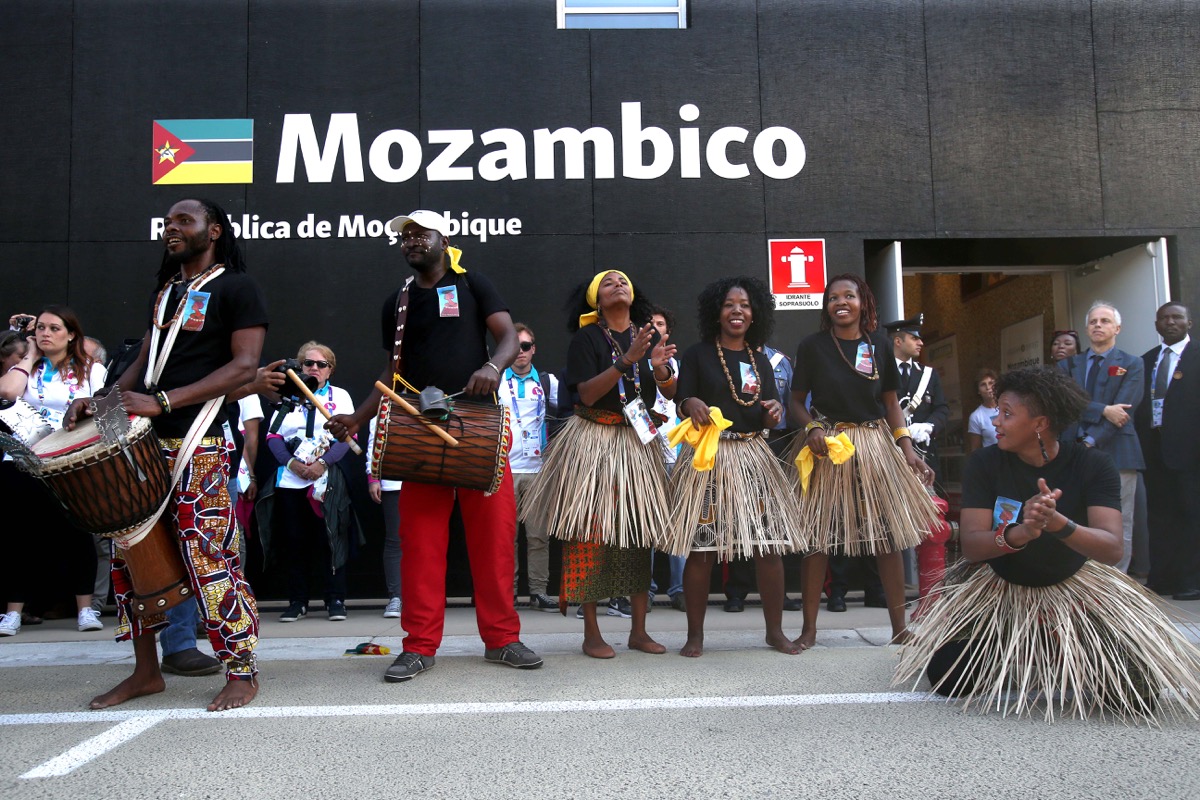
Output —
(593, 300)
(840, 451)
(455, 255)
(703, 440)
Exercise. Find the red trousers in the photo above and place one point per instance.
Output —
(424, 535)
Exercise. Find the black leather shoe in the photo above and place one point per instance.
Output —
(1193, 594)
(735, 604)
(836, 602)
(791, 603)
(190, 662)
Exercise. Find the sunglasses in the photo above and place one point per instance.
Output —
(1063, 333)
(526, 347)
(308, 362)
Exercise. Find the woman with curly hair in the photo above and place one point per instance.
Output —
(602, 487)
(872, 503)
(1034, 612)
(736, 503)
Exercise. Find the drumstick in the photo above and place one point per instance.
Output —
(320, 407)
(407, 406)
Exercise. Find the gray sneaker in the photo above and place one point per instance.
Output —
(515, 655)
(393, 608)
(407, 666)
(540, 602)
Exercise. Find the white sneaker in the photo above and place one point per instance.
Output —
(393, 608)
(89, 620)
(10, 623)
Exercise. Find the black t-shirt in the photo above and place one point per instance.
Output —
(701, 376)
(839, 391)
(445, 336)
(590, 354)
(1001, 483)
(204, 345)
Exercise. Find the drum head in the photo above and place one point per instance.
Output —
(64, 441)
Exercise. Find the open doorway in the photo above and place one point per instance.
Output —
(997, 302)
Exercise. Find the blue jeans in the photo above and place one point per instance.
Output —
(676, 585)
(180, 633)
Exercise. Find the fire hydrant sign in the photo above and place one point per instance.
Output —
(797, 269)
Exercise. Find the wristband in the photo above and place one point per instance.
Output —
(15, 368)
(900, 433)
(1002, 540)
(1065, 530)
(670, 379)
(493, 366)
(253, 479)
(811, 426)
(163, 401)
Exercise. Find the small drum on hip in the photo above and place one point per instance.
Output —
(405, 449)
(111, 490)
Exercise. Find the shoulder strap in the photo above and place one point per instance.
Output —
(919, 394)
(401, 318)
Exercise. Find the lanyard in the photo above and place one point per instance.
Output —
(48, 369)
(637, 376)
(537, 393)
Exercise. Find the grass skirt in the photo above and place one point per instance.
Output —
(1094, 640)
(599, 483)
(742, 507)
(871, 504)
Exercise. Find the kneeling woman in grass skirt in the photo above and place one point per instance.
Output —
(1033, 612)
(737, 503)
(873, 503)
(601, 490)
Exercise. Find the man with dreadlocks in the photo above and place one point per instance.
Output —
(208, 321)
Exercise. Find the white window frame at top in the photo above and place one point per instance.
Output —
(678, 7)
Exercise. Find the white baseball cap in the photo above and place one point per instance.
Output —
(426, 219)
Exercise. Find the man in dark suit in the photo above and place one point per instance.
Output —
(924, 407)
(1168, 425)
(1112, 379)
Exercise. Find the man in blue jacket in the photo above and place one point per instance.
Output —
(1113, 380)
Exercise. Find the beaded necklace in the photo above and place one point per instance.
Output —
(170, 286)
(733, 386)
(616, 354)
(874, 376)
(46, 373)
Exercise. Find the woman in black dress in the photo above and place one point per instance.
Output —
(602, 486)
(1034, 612)
(874, 503)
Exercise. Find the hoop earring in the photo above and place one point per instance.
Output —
(1042, 445)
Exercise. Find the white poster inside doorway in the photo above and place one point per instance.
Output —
(942, 355)
(1021, 344)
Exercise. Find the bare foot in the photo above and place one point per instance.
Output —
(782, 643)
(236, 694)
(598, 648)
(646, 645)
(903, 637)
(134, 686)
(693, 648)
(806, 640)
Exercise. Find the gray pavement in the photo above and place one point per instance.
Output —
(742, 721)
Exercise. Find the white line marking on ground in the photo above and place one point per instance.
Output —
(96, 746)
(132, 723)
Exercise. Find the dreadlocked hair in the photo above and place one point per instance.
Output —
(869, 320)
(226, 249)
(762, 305)
(1046, 391)
(640, 310)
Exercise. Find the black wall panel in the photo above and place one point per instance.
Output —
(850, 77)
(1012, 111)
(134, 62)
(35, 130)
(35, 275)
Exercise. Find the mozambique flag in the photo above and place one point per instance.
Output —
(203, 151)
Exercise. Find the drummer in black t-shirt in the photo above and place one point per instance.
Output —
(872, 504)
(220, 321)
(443, 343)
(1034, 607)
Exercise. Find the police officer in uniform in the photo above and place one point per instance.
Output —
(921, 397)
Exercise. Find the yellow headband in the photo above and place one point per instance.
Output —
(593, 299)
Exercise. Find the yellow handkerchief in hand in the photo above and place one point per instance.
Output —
(840, 450)
(703, 440)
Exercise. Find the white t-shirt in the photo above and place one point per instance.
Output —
(980, 422)
(527, 402)
(50, 392)
(295, 425)
(667, 408)
(249, 407)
